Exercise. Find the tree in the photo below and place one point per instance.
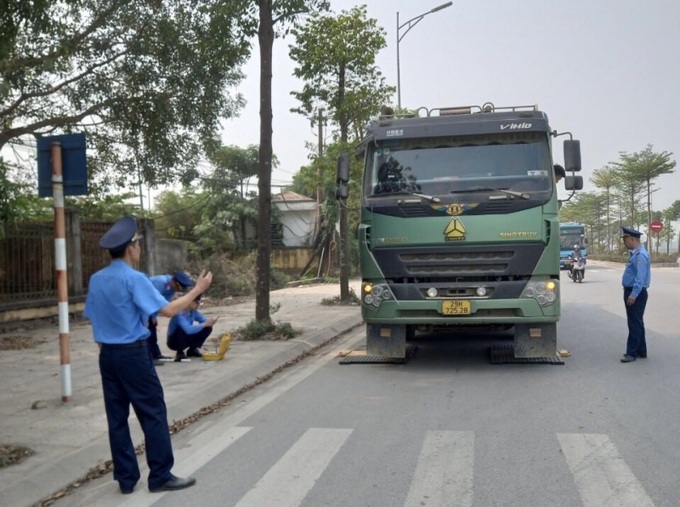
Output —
(176, 214)
(335, 56)
(147, 80)
(269, 13)
(587, 209)
(641, 169)
(670, 215)
(605, 178)
(237, 205)
(15, 13)
(17, 200)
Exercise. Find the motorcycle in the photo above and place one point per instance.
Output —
(578, 269)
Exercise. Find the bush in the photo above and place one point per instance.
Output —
(235, 277)
(266, 330)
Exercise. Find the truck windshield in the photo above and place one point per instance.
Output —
(443, 166)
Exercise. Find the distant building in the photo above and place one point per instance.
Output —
(297, 218)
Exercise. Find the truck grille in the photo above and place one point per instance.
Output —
(457, 271)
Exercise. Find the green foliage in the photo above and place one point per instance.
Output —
(321, 174)
(178, 213)
(626, 198)
(279, 279)
(18, 199)
(335, 56)
(234, 277)
(14, 14)
(335, 300)
(636, 173)
(19, 202)
(148, 81)
(267, 329)
(105, 208)
(219, 214)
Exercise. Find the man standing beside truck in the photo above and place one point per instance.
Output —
(636, 279)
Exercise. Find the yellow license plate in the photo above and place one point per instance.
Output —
(456, 307)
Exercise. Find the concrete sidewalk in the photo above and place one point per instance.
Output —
(69, 439)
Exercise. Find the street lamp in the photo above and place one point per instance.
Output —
(410, 24)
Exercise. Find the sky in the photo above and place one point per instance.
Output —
(604, 70)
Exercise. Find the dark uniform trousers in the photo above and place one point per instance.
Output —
(152, 340)
(636, 344)
(129, 378)
(180, 339)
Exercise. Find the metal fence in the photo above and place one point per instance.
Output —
(27, 266)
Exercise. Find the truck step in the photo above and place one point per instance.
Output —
(505, 354)
(360, 357)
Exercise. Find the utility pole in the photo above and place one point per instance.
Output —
(318, 173)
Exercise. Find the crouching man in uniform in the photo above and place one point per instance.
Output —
(188, 330)
(119, 302)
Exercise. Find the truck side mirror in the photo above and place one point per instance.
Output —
(573, 182)
(572, 155)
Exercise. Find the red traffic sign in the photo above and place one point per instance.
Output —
(656, 226)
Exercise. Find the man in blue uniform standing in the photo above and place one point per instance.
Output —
(119, 302)
(636, 279)
(168, 286)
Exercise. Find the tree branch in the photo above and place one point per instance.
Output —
(27, 96)
(66, 46)
(56, 121)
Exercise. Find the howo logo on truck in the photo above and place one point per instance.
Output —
(515, 126)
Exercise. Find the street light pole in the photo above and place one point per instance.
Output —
(410, 24)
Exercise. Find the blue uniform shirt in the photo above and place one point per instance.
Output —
(163, 284)
(638, 273)
(119, 302)
(185, 320)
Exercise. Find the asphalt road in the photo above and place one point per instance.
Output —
(448, 428)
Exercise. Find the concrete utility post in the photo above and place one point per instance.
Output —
(410, 24)
(320, 120)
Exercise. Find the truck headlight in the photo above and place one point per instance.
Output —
(374, 295)
(543, 291)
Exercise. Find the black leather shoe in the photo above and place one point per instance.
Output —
(126, 491)
(175, 483)
(627, 359)
(194, 353)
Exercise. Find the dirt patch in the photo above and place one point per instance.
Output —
(20, 342)
(13, 454)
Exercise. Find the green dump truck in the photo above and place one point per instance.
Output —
(459, 225)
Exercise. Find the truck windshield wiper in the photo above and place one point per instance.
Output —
(430, 198)
(511, 193)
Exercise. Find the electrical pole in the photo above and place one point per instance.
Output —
(318, 173)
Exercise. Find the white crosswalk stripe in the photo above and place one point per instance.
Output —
(293, 476)
(444, 475)
(444, 472)
(601, 475)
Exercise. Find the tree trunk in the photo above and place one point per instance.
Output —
(265, 37)
(344, 228)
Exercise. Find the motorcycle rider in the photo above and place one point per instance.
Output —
(574, 258)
